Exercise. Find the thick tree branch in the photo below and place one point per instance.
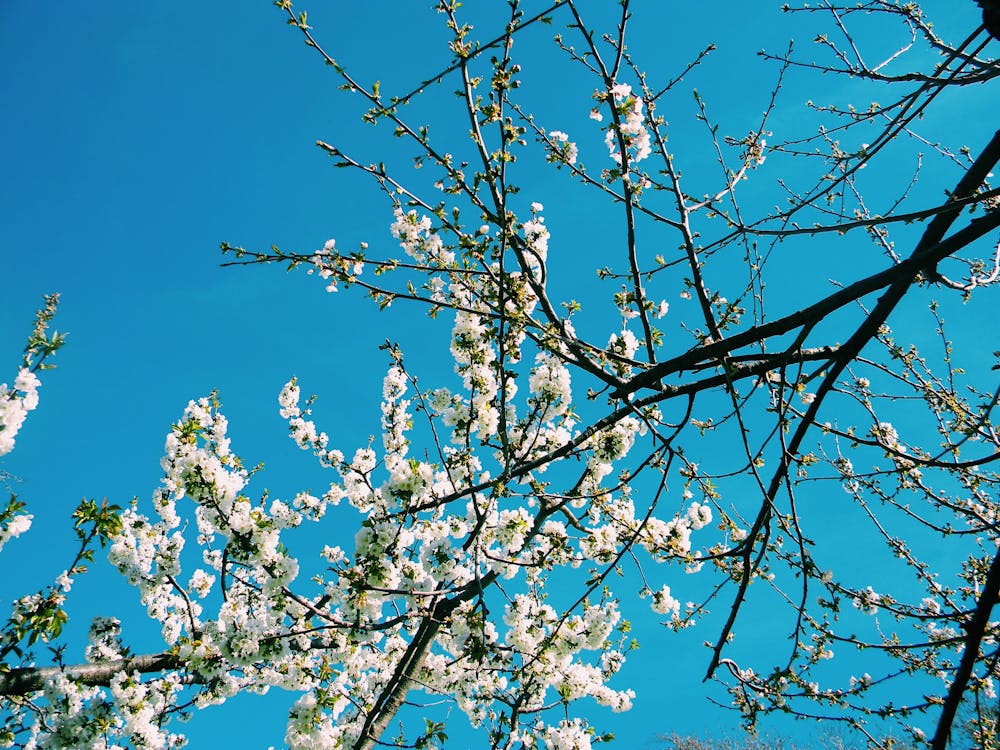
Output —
(930, 250)
(25, 680)
(976, 630)
(930, 245)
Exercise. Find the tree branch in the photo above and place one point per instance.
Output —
(26, 680)
(976, 630)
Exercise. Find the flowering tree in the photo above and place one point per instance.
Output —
(496, 513)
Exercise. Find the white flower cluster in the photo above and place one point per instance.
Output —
(434, 535)
(408, 548)
(475, 360)
(334, 267)
(673, 538)
(623, 345)
(632, 130)
(536, 237)
(755, 145)
(249, 642)
(568, 735)
(887, 436)
(550, 385)
(104, 640)
(15, 403)
(13, 525)
(664, 603)
(77, 717)
(302, 430)
(395, 418)
(141, 705)
(564, 149)
(868, 601)
(419, 240)
(550, 651)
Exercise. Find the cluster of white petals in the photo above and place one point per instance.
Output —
(419, 240)
(13, 525)
(129, 713)
(537, 239)
(623, 346)
(302, 430)
(632, 129)
(434, 531)
(550, 384)
(664, 603)
(333, 267)
(564, 151)
(15, 403)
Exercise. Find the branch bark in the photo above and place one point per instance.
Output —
(976, 631)
(27, 680)
(932, 249)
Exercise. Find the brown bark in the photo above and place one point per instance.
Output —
(32, 679)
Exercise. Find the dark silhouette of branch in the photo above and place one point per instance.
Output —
(976, 630)
(932, 248)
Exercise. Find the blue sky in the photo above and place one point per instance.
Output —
(137, 136)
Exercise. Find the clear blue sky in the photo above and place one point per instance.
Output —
(137, 136)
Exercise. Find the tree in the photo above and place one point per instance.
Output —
(497, 514)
